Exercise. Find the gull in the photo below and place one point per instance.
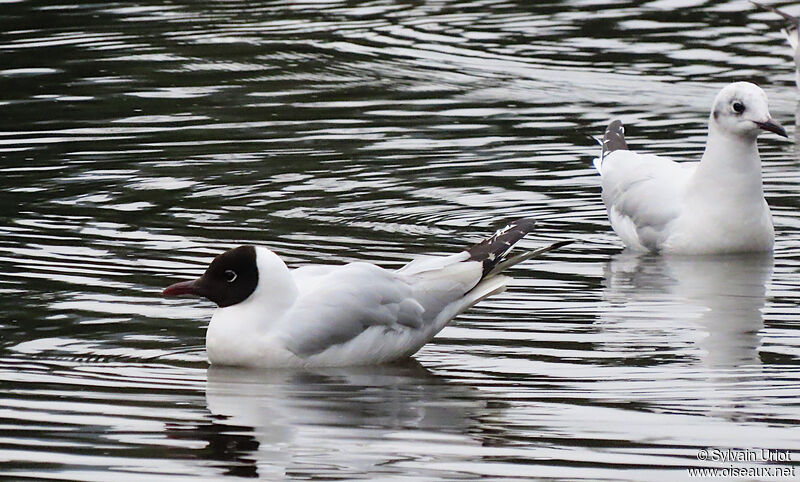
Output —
(344, 315)
(713, 206)
(790, 31)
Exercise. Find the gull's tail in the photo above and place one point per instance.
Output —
(493, 254)
(493, 251)
(436, 276)
(613, 140)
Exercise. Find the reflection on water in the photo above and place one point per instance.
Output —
(715, 301)
(139, 140)
(344, 414)
(712, 305)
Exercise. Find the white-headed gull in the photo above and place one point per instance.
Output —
(716, 205)
(790, 31)
(340, 315)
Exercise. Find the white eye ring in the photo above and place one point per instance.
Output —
(738, 107)
(230, 275)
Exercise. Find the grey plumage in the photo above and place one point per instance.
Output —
(614, 138)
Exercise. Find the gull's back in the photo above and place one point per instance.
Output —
(643, 195)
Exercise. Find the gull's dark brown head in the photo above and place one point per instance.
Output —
(230, 278)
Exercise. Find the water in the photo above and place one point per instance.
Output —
(139, 140)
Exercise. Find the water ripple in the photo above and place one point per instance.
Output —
(139, 141)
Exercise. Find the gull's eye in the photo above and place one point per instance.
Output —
(230, 275)
(738, 107)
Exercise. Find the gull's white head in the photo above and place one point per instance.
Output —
(741, 110)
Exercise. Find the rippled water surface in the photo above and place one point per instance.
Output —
(137, 141)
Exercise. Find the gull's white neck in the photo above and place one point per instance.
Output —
(234, 331)
(276, 288)
(730, 167)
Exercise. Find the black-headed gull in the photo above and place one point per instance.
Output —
(353, 314)
(791, 24)
(716, 205)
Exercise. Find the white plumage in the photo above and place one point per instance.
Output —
(353, 314)
(716, 205)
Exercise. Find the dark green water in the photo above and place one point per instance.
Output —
(137, 141)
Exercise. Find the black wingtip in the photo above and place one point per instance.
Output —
(509, 261)
(791, 19)
(561, 244)
(493, 249)
(614, 138)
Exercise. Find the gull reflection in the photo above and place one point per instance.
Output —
(310, 422)
(710, 302)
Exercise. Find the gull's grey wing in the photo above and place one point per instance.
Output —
(642, 195)
(613, 139)
(339, 303)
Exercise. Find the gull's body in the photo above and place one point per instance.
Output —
(790, 30)
(716, 205)
(354, 314)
